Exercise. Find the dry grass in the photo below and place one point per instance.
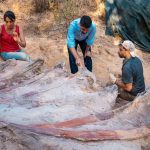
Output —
(100, 8)
(68, 10)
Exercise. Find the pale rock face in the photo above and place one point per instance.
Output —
(29, 97)
(56, 96)
(133, 115)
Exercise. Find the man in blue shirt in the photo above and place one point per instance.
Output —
(132, 81)
(80, 32)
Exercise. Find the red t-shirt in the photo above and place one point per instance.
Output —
(8, 44)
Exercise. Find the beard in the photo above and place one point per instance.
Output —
(120, 55)
(83, 32)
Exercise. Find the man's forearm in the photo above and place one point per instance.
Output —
(87, 51)
(120, 84)
(88, 48)
(126, 87)
(74, 53)
(76, 56)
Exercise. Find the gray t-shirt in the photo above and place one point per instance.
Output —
(132, 72)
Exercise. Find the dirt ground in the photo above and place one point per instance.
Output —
(47, 40)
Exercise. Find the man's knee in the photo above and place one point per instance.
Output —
(73, 67)
(125, 95)
(72, 61)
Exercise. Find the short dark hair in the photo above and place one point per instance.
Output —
(10, 15)
(85, 21)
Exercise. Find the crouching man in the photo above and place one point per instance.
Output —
(132, 80)
(80, 32)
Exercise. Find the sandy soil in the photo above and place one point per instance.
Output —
(47, 40)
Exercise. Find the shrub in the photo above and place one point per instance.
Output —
(41, 5)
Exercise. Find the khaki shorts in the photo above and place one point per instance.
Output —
(125, 95)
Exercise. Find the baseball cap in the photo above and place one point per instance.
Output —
(129, 46)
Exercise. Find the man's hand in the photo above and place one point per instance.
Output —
(87, 53)
(112, 78)
(79, 62)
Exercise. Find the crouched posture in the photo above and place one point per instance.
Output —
(12, 39)
(132, 82)
(80, 32)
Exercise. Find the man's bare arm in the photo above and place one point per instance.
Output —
(76, 56)
(88, 51)
(126, 87)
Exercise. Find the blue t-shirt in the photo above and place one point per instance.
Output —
(74, 33)
(132, 72)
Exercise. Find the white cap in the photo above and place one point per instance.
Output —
(129, 46)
